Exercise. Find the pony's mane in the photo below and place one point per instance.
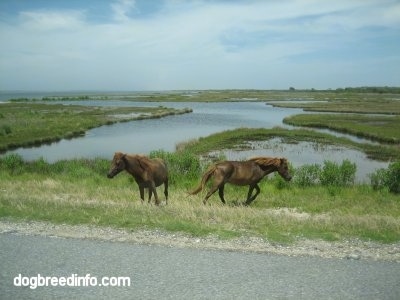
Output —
(267, 161)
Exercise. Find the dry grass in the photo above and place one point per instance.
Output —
(51, 199)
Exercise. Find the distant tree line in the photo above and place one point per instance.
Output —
(362, 89)
(371, 89)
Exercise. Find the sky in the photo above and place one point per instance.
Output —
(138, 45)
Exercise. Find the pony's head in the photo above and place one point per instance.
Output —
(283, 169)
(118, 164)
(272, 164)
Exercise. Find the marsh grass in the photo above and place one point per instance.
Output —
(31, 124)
(378, 128)
(239, 137)
(78, 192)
(340, 102)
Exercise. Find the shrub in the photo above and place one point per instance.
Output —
(333, 174)
(182, 166)
(347, 172)
(279, 182)
(97, 165)
(329, 173)
(40, 166)
(393, 177)
(389, 178)
(307, 175)
(378, 179)
(12, 161)
(5, 130)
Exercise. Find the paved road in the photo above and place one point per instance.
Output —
(170, 273)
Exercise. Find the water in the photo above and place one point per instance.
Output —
(207, 118)
(307, 153)
(147, 135)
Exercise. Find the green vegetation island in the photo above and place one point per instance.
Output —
(27, 124)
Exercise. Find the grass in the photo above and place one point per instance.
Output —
(115, 205)
(379, 128)
(31, 124)
(172, 96)
(239, 137)
(324, 100)
(78, 192)
(341, 102)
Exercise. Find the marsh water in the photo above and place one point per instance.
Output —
(153, 134)
(306, 153)
(146, 135)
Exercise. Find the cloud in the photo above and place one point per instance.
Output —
(198, 44)
(121, 9)
(51, 20)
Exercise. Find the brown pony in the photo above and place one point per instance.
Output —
(148, 173)
(248, 172)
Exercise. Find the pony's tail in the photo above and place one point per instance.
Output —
(204, 180)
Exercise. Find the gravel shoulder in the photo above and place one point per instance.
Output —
(350, 249)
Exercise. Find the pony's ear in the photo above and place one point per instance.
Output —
(283, 160)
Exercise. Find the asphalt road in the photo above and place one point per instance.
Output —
(171, 273)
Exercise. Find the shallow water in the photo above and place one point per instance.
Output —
(307, 153)
(146, 135)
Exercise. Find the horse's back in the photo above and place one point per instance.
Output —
(242, 172)
(160, 171)
(160, 161)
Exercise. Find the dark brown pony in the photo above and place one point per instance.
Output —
(248, 172)
(148, 173)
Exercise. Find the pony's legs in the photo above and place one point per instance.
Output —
(249, 197)
(251, 188)
(150, 194)
(218, 183)
(141, 191)
(213, 189)
(152, 188)
(166, 191)
(221, 193)
(210, 192)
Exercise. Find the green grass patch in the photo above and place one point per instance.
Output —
(378, 128)
(78, 192)
(238, 138)
(30, 124)
(342, 102)
(349, 100)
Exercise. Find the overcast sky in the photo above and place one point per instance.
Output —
(171, 44)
